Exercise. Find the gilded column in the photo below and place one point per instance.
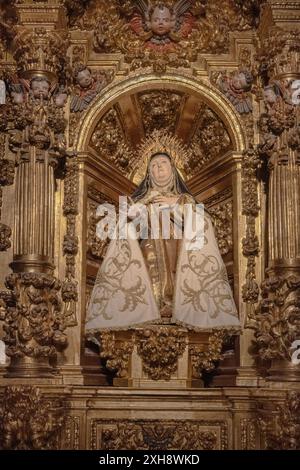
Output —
(278, 325)
(34, 321)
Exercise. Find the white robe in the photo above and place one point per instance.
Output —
(123, 296)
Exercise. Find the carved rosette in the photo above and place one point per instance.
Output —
(33, 322)
(282, 430)
(29, 421)
(160, 350)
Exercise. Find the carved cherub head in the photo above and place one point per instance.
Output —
(271, 94)
(161, 20)
(40, 87)
(242, 80)
(83, 76)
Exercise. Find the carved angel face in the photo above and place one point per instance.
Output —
(40, 88)
(270, 95)
(84, 78)
(160, 170)
(161, 21)
(239, 81)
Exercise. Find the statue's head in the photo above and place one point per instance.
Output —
(40, 87)
(83, 76)
(160, 151)
(161, 20)
(160, 169)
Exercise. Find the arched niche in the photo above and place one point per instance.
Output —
(217, 182)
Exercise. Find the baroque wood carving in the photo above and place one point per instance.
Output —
(155, 435)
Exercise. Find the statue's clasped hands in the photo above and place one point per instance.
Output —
(165, 200)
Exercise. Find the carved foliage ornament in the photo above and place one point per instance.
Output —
(29, 421)
(160, 113)
(210, 140)
(160, 350)
(111, 143)
(283, 431)
(277, 52)
(33, 322)
(7, 169)
(159, 110)
(164, 33)
(70, 244)
(155, 435)
(159, 347)
(8, 21)
(40, 49)
(206, 360)
(115, 353)
(36, 118)
(251, 164)
(277, 319)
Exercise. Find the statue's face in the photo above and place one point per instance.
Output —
(161, 21)
(160, 170)
(84, 78)
(40, 89)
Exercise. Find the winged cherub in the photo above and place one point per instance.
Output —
(161, 25)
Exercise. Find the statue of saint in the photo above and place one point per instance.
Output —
(152, 279)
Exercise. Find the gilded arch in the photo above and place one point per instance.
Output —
(206, 91)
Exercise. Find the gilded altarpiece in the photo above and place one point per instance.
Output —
(82, 85)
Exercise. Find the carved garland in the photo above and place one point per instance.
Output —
(70, 244)
(251, 163)
(6, 179)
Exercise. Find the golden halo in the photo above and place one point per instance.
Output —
(160, 141)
